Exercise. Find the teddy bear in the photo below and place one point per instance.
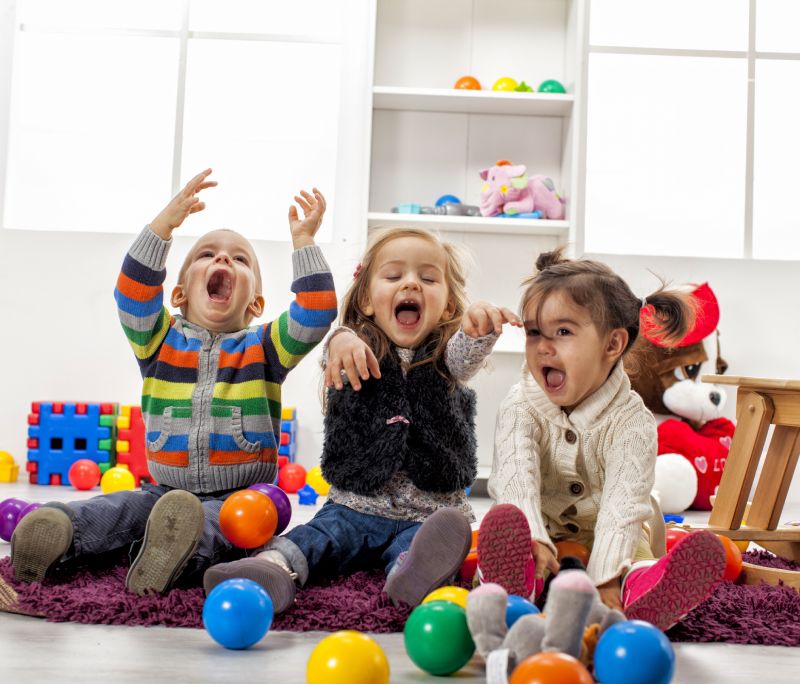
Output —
(509, 191)
(690, 412)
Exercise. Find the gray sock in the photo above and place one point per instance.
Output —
(486, 617)
(569, 602)
(275, 556)
(525, 638)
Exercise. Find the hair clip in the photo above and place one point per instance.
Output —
(357, 271)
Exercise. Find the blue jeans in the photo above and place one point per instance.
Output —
(115, 521)
(339, 540)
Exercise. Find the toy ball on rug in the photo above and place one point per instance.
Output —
(237, 613)
(347, 657)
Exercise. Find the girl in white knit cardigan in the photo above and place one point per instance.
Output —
(575, 450)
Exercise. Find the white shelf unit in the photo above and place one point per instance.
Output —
(429, 139)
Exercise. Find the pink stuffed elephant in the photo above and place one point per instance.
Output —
(508, 190)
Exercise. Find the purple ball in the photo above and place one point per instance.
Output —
(30, 507)
(281, 501)
(9, 514)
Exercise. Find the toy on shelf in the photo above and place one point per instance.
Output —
(523, 87)
(9, 470)
(509, 190)
(505, 84)
(445, 209)
(61, 433)
(551, 86)
(668, 380)
(131, 443)
(467, 83)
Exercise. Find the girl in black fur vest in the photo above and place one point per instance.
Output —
(399, 446)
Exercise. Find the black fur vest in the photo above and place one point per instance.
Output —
(420, 423)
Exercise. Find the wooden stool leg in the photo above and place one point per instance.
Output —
(790, 550)
(754, 413)
(776, 476)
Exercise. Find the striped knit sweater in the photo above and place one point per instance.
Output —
(212, 401)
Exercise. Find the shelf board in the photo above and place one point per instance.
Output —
(470, 224)
(471, 101)
(512, 341)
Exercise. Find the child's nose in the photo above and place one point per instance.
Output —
(223, 256)
(411, 282)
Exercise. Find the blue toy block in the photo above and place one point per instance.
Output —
(289, 426)
(306, 496)
(289, 450)
(60, 434)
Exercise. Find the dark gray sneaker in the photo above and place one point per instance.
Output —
(39, 541)
(277, 582)
(436, 553)
(171, 537)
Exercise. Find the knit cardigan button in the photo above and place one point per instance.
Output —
(576, 488)
(571, 437)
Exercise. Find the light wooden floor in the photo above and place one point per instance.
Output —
(32, 650)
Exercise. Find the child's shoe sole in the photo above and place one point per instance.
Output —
(39, 541)
(273, 578)
(436, 553)
(692, 571)
(171, 537)
(505, 550)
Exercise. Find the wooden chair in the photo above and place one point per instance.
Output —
(759, 404)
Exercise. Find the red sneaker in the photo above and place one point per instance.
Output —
(504, 550)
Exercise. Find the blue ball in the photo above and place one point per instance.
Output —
(237, 613)
(634, 652)
(517, 607)
(447, 199)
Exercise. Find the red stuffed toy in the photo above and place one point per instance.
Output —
(668, 381)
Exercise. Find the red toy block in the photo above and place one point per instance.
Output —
(107, 409)
(131, 449)
(80, 409)
(35, 406)
(33, 419)
(58, 407)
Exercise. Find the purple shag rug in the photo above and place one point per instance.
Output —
(736, 613)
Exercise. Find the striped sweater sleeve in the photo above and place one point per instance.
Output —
(140, 296)
(297, 331)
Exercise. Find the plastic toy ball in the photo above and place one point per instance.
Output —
(674, 535)
(634, 652)
(448, 199)
(733, 559)
(550, 668)
(551, 86)
(237, 613)
(30, 507)
(347, 657)
(281, 501)
(505, 84)
(84, 474)
(470, 565)
(306, 496)
(516, 607)
(457, 595)
(318, 483)
(467, 83)
(291, 477)
(248, 518)
(572, 548)
(437, 638)
(9, 515)
(117, 479)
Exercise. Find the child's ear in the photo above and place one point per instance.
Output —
(617, 342)
(179, 297)
(449, 311)
(256, 307)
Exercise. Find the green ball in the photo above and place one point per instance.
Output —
(551, 86)
(437, 637)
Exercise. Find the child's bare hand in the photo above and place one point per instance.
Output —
(184, 203)
(610, 593)
(545, 560)
(304, 230)
(481, 318)
(349, 353)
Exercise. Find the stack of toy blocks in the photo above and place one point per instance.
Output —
(61, 433)
(287, 451)
(131, 443)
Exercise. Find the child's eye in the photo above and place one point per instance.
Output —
(532, 332)
(428, 279)
(563, 332)
(392, 277)
(205, 254)
(241, 259)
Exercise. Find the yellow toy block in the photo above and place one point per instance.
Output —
(9, 470)
(288, 413)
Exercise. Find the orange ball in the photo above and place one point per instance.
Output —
(467, 83)
(248, 518)
(551, 668)
(572, 548)
(733, 559)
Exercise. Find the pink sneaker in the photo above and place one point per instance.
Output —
(664, 593)
(504, 550)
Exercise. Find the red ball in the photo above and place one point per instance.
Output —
(733, 559)
(248, 518)
(551, 668)
(674, 535)
(84, 474)
(291, 477)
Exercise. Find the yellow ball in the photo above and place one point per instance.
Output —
(117, 479)
(6, 458)
(318, 483)
(505, 84)
(347, 657)
(455, 595)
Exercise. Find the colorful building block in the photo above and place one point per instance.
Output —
(9, 470)
(60, 433)
(288, 442)
(131, 443)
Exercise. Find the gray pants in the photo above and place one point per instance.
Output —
(116, 521)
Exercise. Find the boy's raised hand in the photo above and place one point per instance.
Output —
(304, 230)
(184, 203)
(349, 355)
(481, 318)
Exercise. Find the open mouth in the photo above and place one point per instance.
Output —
(408, 313)
(554, 378)
(220, 286)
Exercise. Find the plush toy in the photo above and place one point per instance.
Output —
(509, 190)
(668, 381)
(571, 622)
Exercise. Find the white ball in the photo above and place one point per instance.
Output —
(676, 483)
